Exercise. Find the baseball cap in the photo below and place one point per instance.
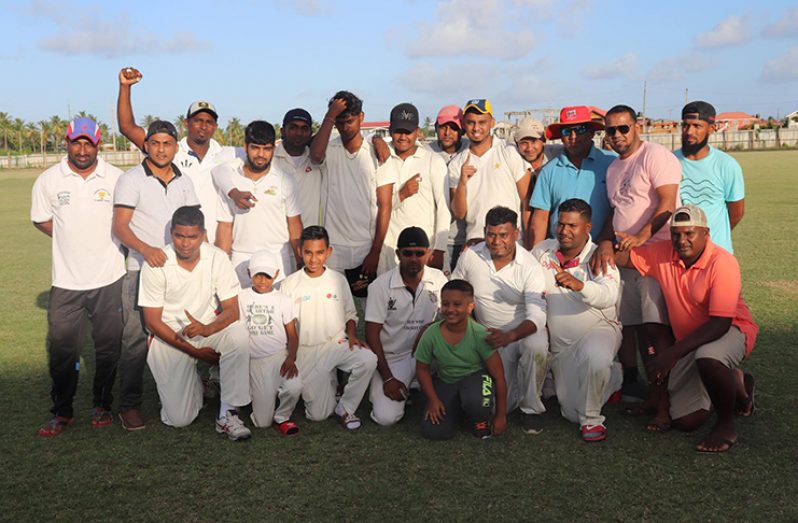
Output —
(85, 127)
(412, 237)
(200, 106)
(574, 115)
(481, 105)
(689, 216)
(450, 114)
(699, 110)
(404, 117)
(529, 128)
(263, 262)
(161, 126)
(297, 114)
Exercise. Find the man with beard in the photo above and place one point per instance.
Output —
(274, 223)
(421, 198)
(72, 203)
(401, 302)
(711, 179)
(145, 198)
(197, 153)
(359, 192)
(487, 174)
(508, 291)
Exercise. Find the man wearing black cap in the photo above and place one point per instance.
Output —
(292, 155)
(145, 198)
(419, 197)
(711, 178)
(400, 303)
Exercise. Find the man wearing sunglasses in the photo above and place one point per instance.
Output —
(400, 303)
(580, 172)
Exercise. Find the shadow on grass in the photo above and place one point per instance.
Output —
(43, 299)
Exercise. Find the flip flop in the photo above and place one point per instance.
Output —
(715, 442)
(747, 408)
(55, 426)
(287, 428)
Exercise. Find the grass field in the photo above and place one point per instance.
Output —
(390, 474)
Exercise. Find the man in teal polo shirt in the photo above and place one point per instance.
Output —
(580, 172)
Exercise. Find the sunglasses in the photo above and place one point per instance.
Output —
(578, 129)
(408, 253)
(623, 129)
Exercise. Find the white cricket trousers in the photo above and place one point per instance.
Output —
(266, 386)
(384, 410)
(525, 367)
(317, 365)
(179, 384)
(586, 375)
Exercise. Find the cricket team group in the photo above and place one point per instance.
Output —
(492, 273)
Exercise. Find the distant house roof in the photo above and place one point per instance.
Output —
(375, 125)
(734, 115)
(598, 111)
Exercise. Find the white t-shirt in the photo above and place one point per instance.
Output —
(401, 313)
(351, 204)
(494, 183)
(573, 314)
(198, 291)
(265, 316)
(429, 207)
(85, 253)
(263, 226)
(322, 305)
(507, 297)
(199, 172)
(310, 182)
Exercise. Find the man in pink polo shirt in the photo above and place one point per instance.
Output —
(713, 328)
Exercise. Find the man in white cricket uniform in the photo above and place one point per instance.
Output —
(421, 192)
(401, 302)
(508, 292)
(327, 321)
(584, 332)
(72, 202)
(179, 301)
(274, 223)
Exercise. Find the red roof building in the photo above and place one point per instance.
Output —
(734, 120)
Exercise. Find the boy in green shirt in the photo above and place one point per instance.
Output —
(470, 376)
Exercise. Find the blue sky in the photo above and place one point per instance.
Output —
(257, 59)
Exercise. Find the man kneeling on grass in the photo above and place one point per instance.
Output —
(713, 327)
(179, 301)
(470, 375)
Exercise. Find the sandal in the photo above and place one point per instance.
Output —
(101, 417)
(715, 445)
(55, 426)
(287, 428)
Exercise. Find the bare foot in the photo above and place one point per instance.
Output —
(720, 439)
(745, 408)
(659, 423)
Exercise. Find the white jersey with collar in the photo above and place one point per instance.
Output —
(310, 182)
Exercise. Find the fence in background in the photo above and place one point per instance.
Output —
(37, 160)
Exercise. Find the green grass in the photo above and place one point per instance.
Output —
(391, 473)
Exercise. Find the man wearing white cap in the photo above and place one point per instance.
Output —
(72, 203)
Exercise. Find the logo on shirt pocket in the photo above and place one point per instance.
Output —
(271, 191)
(102, 195)
(64, 197)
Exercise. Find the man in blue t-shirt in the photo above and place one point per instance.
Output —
(711, 179)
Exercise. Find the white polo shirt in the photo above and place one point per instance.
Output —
(199, 172)
(429, 207)
(572, 314)
(85, 253)
(402, 313)
(265, 316)
(507, 297)
(310, 182)
(263, 226)
(494, 183)
(322, 305)
(177, 290)
(153, 204)
(351, 204)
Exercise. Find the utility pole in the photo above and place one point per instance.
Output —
(645, 87)
(685, 96)
(69, 112)
(113, 127)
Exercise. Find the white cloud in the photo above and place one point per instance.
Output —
(676, 68)
(785, 27)
(729, 32)
(451, 81)
(782, 68)
(623, 66)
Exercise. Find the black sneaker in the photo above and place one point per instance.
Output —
(634, 392)
(481, 430)
(532, 423)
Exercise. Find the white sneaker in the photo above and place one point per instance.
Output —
(233, 427)
(349, 421)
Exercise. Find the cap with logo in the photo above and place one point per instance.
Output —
(529, 128)
(450, 114)
(699, 110)
(202, 106)
(412, 237)
(690, 215)
(574, 115)
(481, 105)
(263, 262)
(83, 127)
(161, 126)
(299, 115)
(404, 117)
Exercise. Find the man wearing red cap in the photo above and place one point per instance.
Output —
(72, 203)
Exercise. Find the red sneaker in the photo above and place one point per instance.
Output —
(594, 433)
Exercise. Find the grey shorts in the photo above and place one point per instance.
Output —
(641, 300)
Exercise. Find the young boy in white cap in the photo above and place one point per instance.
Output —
(273, 342)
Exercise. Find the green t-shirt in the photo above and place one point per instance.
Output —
(455, 362)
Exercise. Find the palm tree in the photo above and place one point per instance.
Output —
(18, 126)
(234, 132)
(57, 130)
(32, 133)
(180, 125)
(5, 127)
(148, 119)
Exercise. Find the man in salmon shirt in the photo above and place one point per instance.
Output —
(712, 325)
